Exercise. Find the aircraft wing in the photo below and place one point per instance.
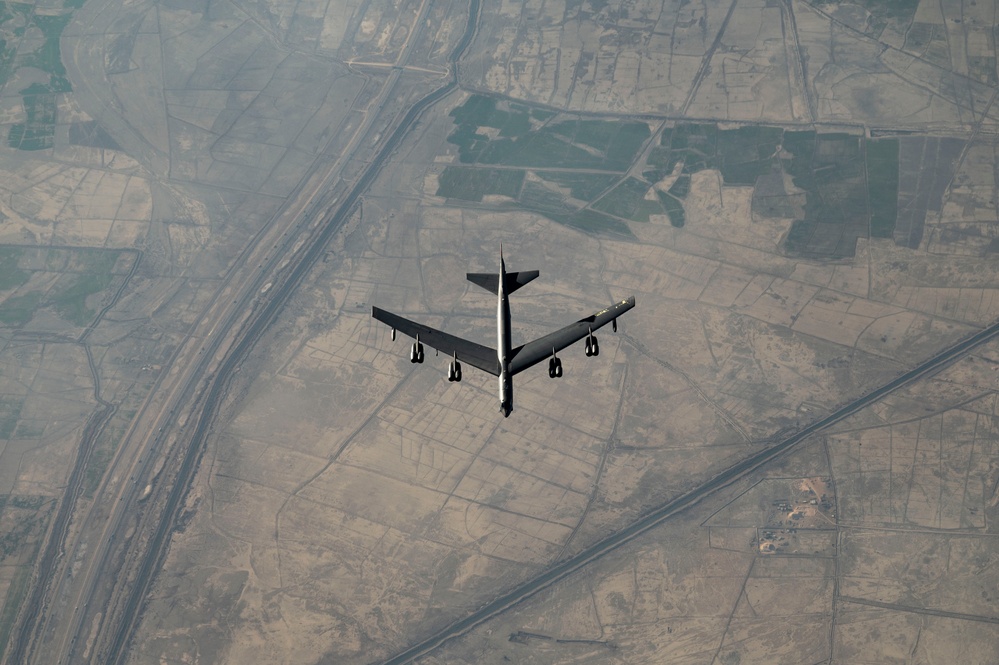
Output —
(532, 353)
(474, 354)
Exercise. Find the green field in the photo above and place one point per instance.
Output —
(48, 57)
(471, 184)
(628, 201)
(831, 170)
(71, 302)
(850, 183)
(493, 132)
(11, 274)
(595, 222)
(10, 410)
(82, 273)
(673, 208)
(883, 11)
(847, 185)
(536, 197)
(741, 155)
(681, 187)
(582, 186)
(882, 186)
(983, 68)
(29, 429)
(18, 310)
(38, 130)
(514, 140)
(7, 53)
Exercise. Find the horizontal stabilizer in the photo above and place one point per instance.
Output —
(490, 280)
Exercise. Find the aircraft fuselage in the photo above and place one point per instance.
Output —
(503, 346)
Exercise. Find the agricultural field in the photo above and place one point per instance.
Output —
(740, 337)
(137, 159)
(31, 60)
(72, 284)
(604, 175)
(801, 196)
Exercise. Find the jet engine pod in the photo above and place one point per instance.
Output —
(416, 353)
(454, 371)
(554, 367)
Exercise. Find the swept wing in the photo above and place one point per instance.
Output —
(474, 354)
(532, 353)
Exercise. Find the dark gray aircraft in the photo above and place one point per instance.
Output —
(504, 361)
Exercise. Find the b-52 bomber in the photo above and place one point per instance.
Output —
(503, 361)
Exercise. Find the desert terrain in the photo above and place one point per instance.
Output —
(785, 454)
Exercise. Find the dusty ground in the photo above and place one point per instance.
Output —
(118, 219)
(897, 568)
(351, 504)
(368, 502)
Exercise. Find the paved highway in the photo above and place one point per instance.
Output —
(66, 608)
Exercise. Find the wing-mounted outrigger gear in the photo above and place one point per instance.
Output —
(590, 346)
(555, 366)
(416, 353)
(614, 325)
(454, 369)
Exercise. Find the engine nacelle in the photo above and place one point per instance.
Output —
(591, 347)
(454, 371)
(416, 353)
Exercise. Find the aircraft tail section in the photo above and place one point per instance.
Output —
(512, 280)
(515, 280)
